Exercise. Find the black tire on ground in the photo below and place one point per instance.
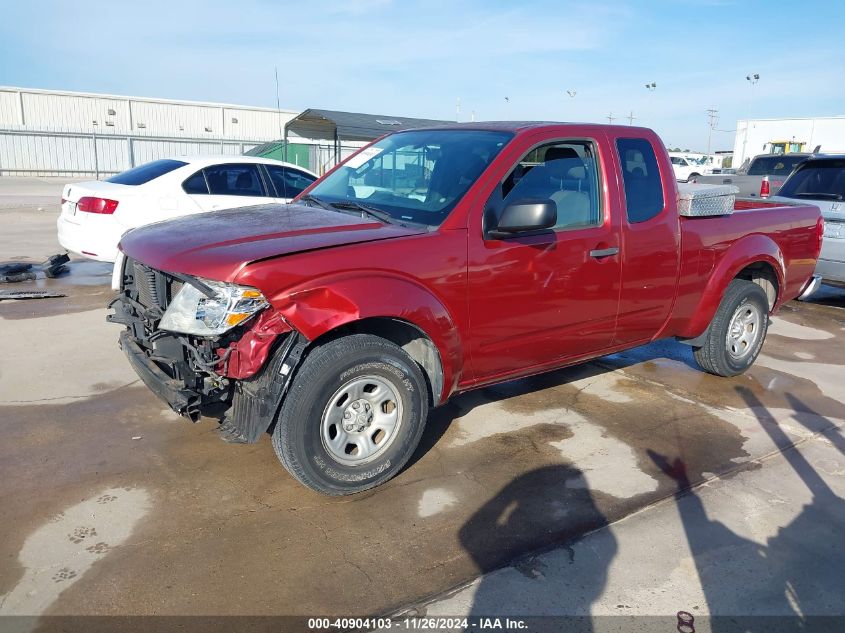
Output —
(737, 332)
(310, 436)
(691, 176)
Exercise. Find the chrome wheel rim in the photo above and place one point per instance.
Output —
(744, 331)
(361, 420)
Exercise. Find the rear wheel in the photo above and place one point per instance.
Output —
(353, 416)
(737, 332)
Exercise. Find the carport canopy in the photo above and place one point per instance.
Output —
(335, 126)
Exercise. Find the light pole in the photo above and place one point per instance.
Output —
(752, 81)
(651, 87)
(571, 93)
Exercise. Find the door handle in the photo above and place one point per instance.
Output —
(604, 252)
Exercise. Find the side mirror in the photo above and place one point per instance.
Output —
(524, 216)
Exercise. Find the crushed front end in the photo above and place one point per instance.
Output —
(203, 347)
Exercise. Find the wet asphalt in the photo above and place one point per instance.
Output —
(111, 504)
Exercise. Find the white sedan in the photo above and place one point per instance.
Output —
(96, 214)
(685, 168)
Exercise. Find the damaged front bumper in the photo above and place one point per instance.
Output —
(174, 392)
(239, 377)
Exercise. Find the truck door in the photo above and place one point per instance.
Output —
(537, 298)
(650, 240)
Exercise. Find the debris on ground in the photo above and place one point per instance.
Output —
(29, 294)
(55, 265)
(15, 272)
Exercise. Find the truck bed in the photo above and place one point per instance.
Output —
(712, 245)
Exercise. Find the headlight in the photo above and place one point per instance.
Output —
(834, 229)
(192, 312)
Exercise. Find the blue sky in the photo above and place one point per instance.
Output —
(409, 58)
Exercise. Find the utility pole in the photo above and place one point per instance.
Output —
(631, 118)
(712, 120)
(610, 118)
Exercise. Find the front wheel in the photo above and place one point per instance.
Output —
(353, 416)
(737, 332)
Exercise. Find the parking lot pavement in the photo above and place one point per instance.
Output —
(736, 545)
(113, 505)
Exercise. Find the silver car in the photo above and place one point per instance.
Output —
(821, 181)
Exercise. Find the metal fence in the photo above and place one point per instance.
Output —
(79, 154)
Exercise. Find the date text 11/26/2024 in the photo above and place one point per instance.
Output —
(418, 624)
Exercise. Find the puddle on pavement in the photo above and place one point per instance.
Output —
(58, 554)
(87, 285)
(434, 501)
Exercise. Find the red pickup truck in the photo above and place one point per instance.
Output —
(436, 261)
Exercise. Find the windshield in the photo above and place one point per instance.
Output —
(822, 179)
(415, 176)
(774, 165)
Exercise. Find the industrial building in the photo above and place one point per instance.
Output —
(80, 135)
(77, 134)
(763, 136)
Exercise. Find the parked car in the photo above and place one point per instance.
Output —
(762, 177)
(95, 214)
(821, 181)
(685, 168)
(338, 321)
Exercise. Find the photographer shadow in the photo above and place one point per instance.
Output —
(796, 574)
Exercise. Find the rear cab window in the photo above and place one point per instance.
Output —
(774, 165)
(641, 177)
(145, 173)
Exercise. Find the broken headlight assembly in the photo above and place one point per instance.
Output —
(210, 308)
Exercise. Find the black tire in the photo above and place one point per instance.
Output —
(724, 356)
(691, 176)
(298, 437)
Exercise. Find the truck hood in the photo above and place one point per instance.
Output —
(217, 245)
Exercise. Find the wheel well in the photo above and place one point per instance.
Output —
(762, 274)
(407, 336)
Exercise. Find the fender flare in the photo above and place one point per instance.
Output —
(750, 249)
(328, 303)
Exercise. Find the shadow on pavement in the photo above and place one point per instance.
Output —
(795, 571)
(517, 519)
